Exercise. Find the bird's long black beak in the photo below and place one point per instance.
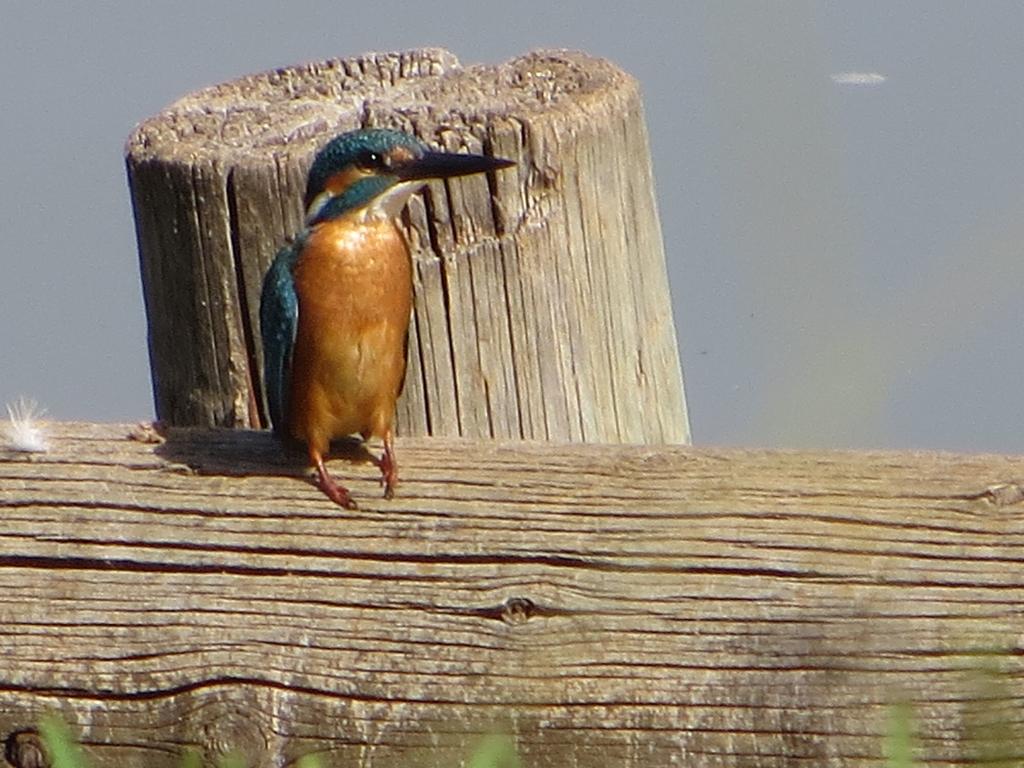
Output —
(446, 165)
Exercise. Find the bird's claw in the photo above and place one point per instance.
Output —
(332, 489)
(388, 469)
(338, 494)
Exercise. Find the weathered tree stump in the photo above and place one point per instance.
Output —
(542, 306)
(604, 605)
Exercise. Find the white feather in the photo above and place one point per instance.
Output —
(25, 432)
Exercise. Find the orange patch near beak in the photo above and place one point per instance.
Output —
(400, 155)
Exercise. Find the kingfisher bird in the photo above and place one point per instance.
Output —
(336, 302)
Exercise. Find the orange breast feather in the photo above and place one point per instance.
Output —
(354, 284)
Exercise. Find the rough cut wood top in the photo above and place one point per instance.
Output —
(248, 121)
(606, 605)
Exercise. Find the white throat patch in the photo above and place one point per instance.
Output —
(385, 206)
(391, 203)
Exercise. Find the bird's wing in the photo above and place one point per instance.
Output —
(279, 319)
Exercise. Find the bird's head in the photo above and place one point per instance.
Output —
(376, 171)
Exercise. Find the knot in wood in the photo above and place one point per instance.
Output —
(1004, 494)
(24, 749)
(237, 735)
(517, 610)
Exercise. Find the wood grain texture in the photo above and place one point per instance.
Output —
(606, 605)
(542, 305)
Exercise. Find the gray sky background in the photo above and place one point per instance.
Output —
(846, 260)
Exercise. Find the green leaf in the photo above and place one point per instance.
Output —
(495, 751)
(60, 744)
(898, 746)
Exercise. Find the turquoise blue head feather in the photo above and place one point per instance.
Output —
(370, 174)
(379, 168)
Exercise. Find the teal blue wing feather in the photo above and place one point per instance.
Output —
(279, 319)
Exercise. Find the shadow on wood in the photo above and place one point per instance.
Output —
(237, 453)
(604, 605)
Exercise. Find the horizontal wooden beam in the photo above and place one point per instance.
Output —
(604, 605)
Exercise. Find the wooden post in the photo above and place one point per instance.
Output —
(603, 605)
(542, 306)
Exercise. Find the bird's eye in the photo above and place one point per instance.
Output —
(370, 160)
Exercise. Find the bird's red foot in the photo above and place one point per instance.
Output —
(332, 489)
(388, 468)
